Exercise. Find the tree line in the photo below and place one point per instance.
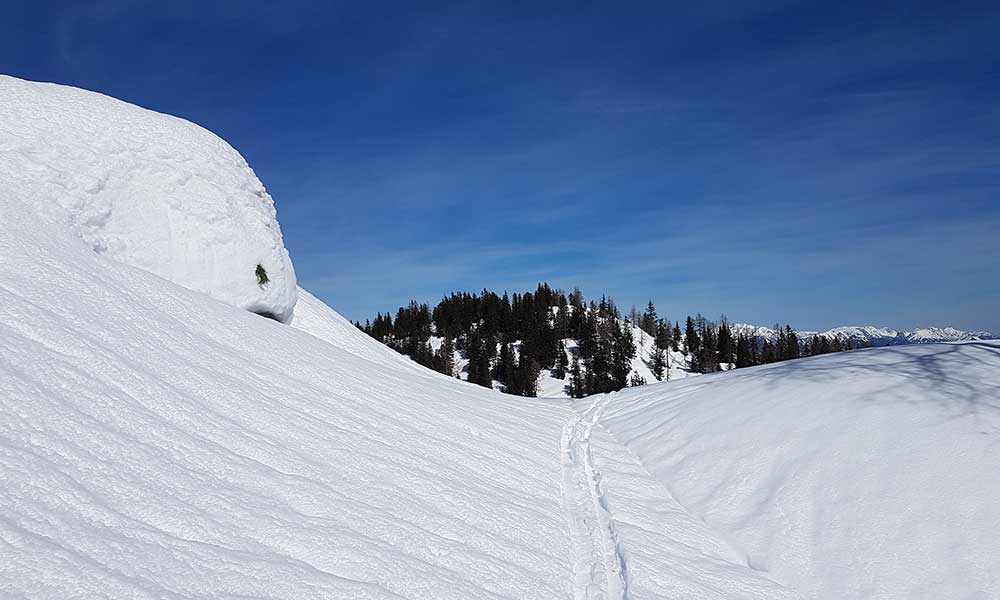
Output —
(511, 339)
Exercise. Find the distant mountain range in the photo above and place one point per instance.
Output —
(874, 336)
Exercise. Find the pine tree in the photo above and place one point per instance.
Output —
(479, 362)
(648, 321)
(692, 343)
(744, 352)
(526, 377)
(658, 365)
(792, 349)
(622, 352)
(664, 335)
(726, 346)
(767, 353)
(587, 338)
(444, 358)
(636, 380)
(562, 362)
(675, 338)
(577, 382)
(706, 359)
(504, 369)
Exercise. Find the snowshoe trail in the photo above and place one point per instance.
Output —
(599, 570)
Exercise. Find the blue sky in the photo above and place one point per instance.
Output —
(817, 164)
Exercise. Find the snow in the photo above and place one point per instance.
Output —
(866, 474)
(158, 441)
(147, 189)
(873, 336)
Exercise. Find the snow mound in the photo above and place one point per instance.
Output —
(865, 474)
(150, 190)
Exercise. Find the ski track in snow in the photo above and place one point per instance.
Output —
(599, 570)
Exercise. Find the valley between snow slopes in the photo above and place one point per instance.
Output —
(162, 442)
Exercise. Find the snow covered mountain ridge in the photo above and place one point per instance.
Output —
(870, 335)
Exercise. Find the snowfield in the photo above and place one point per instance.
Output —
(157, 440)
(866, 474)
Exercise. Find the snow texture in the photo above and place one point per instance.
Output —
(147, 189)
(865, 474)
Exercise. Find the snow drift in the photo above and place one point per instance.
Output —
(147, 189)
(866, 474)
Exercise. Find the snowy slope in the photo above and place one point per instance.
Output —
(156, 442)
(866, 474)
(147, 189)
(551, 387)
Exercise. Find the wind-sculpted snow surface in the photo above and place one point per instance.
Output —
(866, 474)
(150, 190)
(157, 443)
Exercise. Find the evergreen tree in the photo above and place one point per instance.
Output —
(648, 322)
(767, 354)
(587, 337)
(675, 341)
(727, 349)
(526, 377)
(636, 380)
(658, 365)
(692, 343)
(577, 381)
(623, 350)
(444, 358)
(744, 352)
(504, 369)
(792, 349)
(706, 359)
(664, 335)
(479, 361)
(562, 362)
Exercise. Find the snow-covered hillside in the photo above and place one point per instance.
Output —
(864, 474)
(147, 189)
(158, 441)
(550, 386)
